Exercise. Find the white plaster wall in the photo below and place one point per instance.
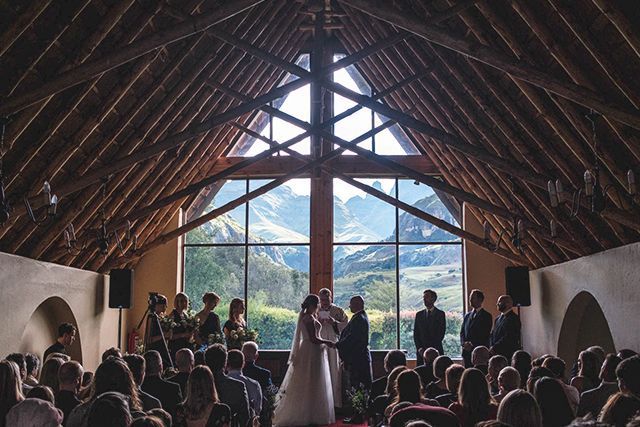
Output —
(26, 283)
(612, 277)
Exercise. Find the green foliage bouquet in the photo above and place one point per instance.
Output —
(190, 322)
(241, 336)
(167, 323)
(216, 338)
(359, 398)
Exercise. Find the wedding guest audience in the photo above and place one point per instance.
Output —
(496, 364)
(380, 403)
(202, 405)
(66, 337)
(426, 369)
(557, 367)
(408, 389)
(251, 370)
(111, 352)
(453, 374)
(554, 405)
(69, 378)
(230, 391)
(198, 358)
(589, 367)
(519, 408)
(109, 409)
(538, 361)
(434, 415)
(33, 366)
(185, 363)
(10, 388)
(162, 415)
(166, 392)
(628, 373)
(599, 352)
(521, 360)
(620, 409)
(63, 357)
(49, 373)
(87, 378)
(235, 363)
(592, 401)
(535, 374)
(137, 366)
(41, 392)
(147, 421)
(480, 359)
(508, 380)
(112, 375)
(392, 359)
(474, 401)
(33, 412)
(626, 353)
(439, 386)
(20, 361)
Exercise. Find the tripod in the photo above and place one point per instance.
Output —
(151, 320)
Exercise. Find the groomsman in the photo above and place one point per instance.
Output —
(476, 327)
(429, 326)
(505, 337)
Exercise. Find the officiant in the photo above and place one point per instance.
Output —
(333, 320)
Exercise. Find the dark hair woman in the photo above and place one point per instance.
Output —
(521, 360)
(588, 371)
(408, 389)
(553, 402)
(202, 406)
(474, 400)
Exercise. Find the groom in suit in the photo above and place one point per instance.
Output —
(429, 327)
(353, 345)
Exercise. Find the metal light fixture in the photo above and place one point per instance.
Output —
(50, 204)
(516, 235)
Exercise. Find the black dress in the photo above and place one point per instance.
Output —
(210, 326)
(230, 325)
(220, 415)
(179, 343)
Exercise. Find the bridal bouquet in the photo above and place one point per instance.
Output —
(359, 397)
(167, 324)
(190, 322)
(215, 339)
(241, 336)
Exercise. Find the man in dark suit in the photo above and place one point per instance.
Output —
(476, 327)
(137, 366)
(166, 392)
(253, 371)
(353, 345)
(505, 337)
(185, 363)
(592, 401)
(231, 392)
(426, 369)
(429, 327)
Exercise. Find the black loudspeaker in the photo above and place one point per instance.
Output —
(121, 288)
(517, 284)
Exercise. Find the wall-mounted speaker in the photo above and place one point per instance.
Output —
(121, 288)
(517, 284)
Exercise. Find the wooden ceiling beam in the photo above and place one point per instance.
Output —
(380, 9)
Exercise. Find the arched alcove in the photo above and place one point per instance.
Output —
(584, 325)
(42, 328)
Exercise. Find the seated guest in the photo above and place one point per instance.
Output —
(535, 374)
(628, 373)
(392, 359)
(508, 380)
(112, 375)
(41, 392)
(112, 352)
(452, 375)
(519, 408)
(557, 367)
(230, 391)
(588, 370)
(251, 370)
(408, 389)
(33, 365)
(49, 374)
(620, 409)
(66, 336)
(480, 359)
(426, 369)
(235, 363)
(474, 401)
(592, 401)
(521, 360)
(137, 366)
(599, 353)
(554, 405)
(21, 362)
(110, 409)
(34, 413)
(626, 353)
(69, 378)
(166, 392)
(380, 403)
(10, 388)
(85, 388)
(538, 361)
(162, 415)
(438, 387)
(184, 363)
(434, 415)
(198, 358)
(147, 421)
(496, 364)
(202, 406)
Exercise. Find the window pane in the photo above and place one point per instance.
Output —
(282, 215)
(227, 228)
(360, 217)
(214, 269)
(414, 229)
(437, 267)
(369, 271)
(278, 281)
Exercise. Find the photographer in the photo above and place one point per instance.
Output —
(157, 308)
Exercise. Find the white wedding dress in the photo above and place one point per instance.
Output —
(306, 396)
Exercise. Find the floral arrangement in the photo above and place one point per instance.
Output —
(190, 322)
(359, 398)
(167, 324)
(216, 338)
(241, 335)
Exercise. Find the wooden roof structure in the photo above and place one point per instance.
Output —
(148, 96)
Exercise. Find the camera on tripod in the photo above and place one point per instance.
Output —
(154, 299)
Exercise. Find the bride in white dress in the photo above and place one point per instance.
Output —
(306, 396)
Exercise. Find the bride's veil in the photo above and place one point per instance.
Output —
(297, 338)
